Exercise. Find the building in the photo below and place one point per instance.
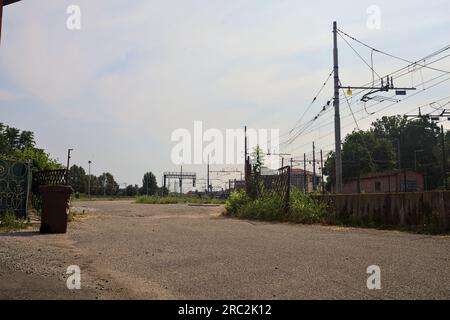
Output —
(298, 177)
(384, 182)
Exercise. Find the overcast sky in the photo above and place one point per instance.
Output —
(137, 70)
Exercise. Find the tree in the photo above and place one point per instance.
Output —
(132, 191)
(375, 150)
(40, 159)
(78, 179)
(257, 159)
(149, 185)
(20, 145)
(362, 152)
(107, 184)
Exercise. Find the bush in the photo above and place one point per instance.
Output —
(9, 221)
(236, 201)
(304, 208)
(240, 205)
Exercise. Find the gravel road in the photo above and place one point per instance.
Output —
(138, 251)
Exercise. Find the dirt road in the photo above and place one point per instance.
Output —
(128, 251)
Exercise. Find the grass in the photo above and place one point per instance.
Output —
(9, 222)
(303, 208)
(174, 200)
(308, 209)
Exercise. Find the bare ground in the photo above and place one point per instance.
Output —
(138, 251)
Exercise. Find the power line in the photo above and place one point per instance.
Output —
(312, 102)
(357, 53)
(393, 56)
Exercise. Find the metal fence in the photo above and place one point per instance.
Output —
(275, 185)
(44, 178)
(15, 178)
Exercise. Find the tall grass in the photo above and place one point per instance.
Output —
(9, 222)
(303, 208)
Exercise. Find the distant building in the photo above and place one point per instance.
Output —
(298, 177)
(383, 182)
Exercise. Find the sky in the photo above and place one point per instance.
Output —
(117, 88)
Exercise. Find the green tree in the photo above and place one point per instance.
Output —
(132, 191)
(41, 160)
(78, 179)
(149, 185)
(362, 152)
(107, 184)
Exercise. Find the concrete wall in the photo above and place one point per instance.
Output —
(427, 210)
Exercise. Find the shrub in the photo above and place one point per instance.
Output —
(236, 201)
(9, 221)
(240, 205)
(304, 208)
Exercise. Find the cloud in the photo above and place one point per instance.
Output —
(138, 70)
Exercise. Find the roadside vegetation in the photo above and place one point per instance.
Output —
(303, 208)
(9, 222)
(173, 200)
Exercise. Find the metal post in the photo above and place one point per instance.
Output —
(291, 172)
(89, 180)
(321, 170)
(304, 173)
(181, 181)
(444, 157)
(207, 177)
(337, 116)
(314, 167)
(68, 163)
(164, 184)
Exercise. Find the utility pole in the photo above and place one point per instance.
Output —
(89, 180)
(314, 167)
(304, 174)
(337, 116)
(68, 158)
(181, 181)
(321, 170)
(207, 176)
(291, 172)
(444, 157)
(68, 163)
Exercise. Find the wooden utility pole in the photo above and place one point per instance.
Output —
(337, 116)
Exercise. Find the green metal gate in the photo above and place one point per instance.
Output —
(15, 183)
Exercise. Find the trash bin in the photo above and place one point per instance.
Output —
(55, 207)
